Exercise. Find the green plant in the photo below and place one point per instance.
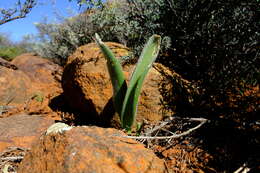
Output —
(38, 96)
(211, 43)
(59, 40)
(11, 52)
(129, 95)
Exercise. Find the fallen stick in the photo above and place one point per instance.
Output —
(201, 120)
(15, 158)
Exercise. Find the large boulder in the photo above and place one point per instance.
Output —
(22, 130)
(28, 85)
(87, 86)
(45, 76)
(15, 87)
(37, 68)
(88, 150)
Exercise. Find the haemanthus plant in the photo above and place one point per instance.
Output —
(125, 97)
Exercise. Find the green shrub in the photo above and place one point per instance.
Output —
(58, 41)
(212, 43)
(9, 50)
(10, 53)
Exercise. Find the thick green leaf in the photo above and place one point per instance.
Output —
(116, 75)
(148, 56)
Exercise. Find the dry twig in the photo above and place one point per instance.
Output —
(12, 159)
(243, 169)
(18, 12)
(174, 135)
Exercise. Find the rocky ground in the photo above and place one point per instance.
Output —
(36, 93)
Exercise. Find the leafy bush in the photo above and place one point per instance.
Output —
(8, 49)
(58, 41)
(211, 43)
(10, 53)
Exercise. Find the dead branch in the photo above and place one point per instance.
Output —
(174, 135)
(243, 169)
(12, 159)
(18, 12)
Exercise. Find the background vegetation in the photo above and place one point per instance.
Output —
(9, 50)
(213, 44)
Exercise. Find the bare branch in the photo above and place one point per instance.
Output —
(13, 159)
(201, 120)
(19, 11)
(243, 169)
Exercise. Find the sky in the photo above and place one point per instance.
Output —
(49, 9)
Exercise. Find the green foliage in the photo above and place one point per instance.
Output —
(10, 53)
(147, 57)
(9, 50)
(58, 41)
(213, 44)
(129, 96)
(38, 96)
(90, 3)
(116, 75)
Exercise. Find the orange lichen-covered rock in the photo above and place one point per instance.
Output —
(37, 68)
(22, 130)
(28, 85)
(85, 79)
(45, 76)
(88, 150)
(87, 86)
(14, 87)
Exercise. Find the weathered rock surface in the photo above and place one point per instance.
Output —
(89, 150)
(14, 87)
(37, 68)
(7, 64)
(22, 130)
(87, 86)
(45, 79)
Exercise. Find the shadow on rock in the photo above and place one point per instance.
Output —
(76, 117)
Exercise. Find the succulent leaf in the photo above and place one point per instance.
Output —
(116, 75)
(129, 96)
(148, 56)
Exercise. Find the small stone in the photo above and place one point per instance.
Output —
(58, 128)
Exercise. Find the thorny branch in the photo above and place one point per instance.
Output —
(19, 11)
